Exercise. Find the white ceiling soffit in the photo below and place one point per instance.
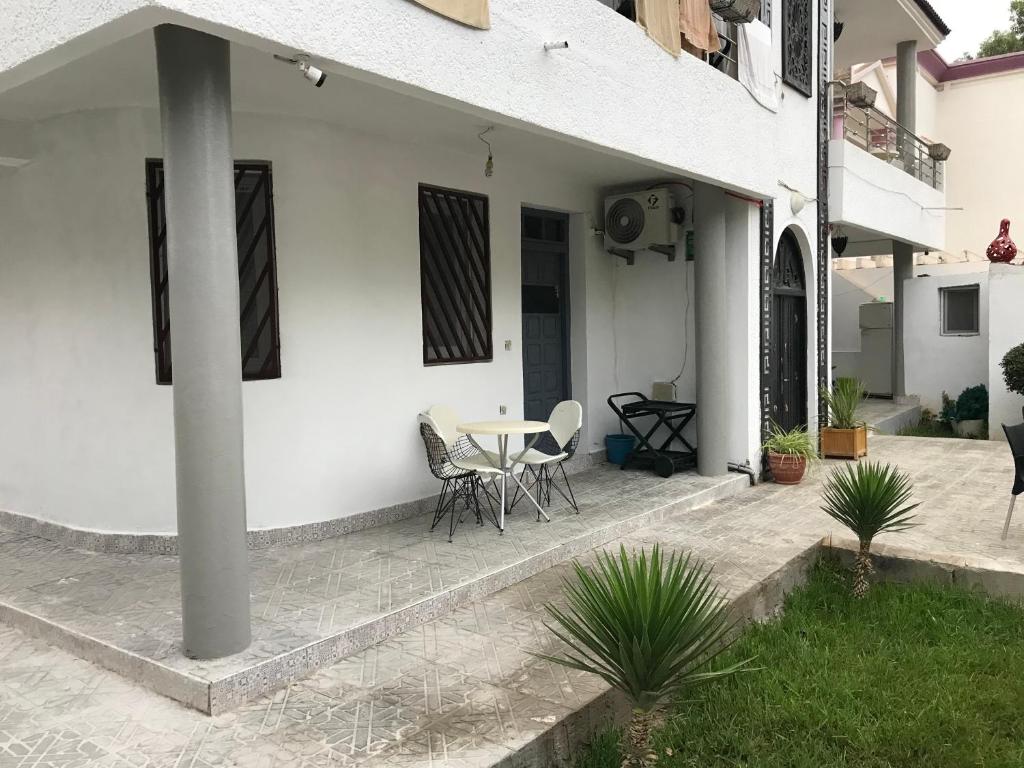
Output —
(873, 28)
(124, 75)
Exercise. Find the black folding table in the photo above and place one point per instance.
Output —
(631, 408)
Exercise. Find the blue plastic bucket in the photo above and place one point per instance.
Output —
(619, 447)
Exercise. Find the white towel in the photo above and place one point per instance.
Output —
(755, 63)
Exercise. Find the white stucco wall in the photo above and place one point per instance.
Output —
(1006, 330)
(981, 121)
(348, 250)
(935, 363)
(88, 433)
(867, 192)
(613, 89)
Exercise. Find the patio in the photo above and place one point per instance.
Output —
(316, 602)
(460, 689)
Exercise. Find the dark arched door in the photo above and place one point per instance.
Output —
(789, 335)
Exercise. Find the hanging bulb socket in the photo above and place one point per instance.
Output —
(489, 165)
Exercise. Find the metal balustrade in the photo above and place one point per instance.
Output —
(884, 138)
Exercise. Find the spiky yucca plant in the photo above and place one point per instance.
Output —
(869, 499)
(647, 627)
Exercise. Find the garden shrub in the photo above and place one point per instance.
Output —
(972, 403)
(1013, 369)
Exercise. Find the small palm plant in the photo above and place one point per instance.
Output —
(843, 401)
(647, 627)
(869, 499)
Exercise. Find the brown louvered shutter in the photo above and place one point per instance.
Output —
(455, 276)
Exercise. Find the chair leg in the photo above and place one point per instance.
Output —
(518, 490)
(568, 487)
(442, 505)
(1009, 514)
(571, 498)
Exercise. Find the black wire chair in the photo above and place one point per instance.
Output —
(458, 484)
(1015, 437)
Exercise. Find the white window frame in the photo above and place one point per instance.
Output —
(944, 291)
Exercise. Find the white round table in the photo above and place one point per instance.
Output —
(501, 429)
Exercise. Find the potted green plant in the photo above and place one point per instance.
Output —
(647, 627)
(869, 499)
(971, 412)
(845, 436)
(1013, 371)
(789, 453)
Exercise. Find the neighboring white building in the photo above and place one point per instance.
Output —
(981, 188)
(349, 181)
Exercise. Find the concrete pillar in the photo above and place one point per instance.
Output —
(902, 269)
(712, 323)
(195, 108)
(906, 99)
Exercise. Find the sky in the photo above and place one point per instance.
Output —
(971, 21)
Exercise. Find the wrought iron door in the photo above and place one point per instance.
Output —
(789, 336)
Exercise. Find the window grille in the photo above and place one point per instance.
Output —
(455, 276)
(797, 51)
(257, 271)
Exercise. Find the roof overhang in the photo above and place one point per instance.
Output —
(873, 28)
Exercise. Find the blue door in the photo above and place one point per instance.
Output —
(545, 308)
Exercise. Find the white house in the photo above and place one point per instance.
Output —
(383, 264)
(981, 189)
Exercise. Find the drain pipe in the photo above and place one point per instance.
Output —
(745, 469)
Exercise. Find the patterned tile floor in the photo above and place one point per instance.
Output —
(461, 690)
(335, 595)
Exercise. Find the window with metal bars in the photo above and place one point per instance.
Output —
(455, 276)
(257, 271)
(797, 45)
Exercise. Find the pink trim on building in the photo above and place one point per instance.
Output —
(942, 72)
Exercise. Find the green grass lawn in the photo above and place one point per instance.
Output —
(910, 676)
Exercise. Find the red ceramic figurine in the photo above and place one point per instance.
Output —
(1002, 250)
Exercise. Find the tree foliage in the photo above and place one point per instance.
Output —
(1004, 40)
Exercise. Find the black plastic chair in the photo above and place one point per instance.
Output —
(1015, 437)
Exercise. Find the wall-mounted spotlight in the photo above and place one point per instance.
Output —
(315, 75)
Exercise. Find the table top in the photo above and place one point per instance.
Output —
(503, 427)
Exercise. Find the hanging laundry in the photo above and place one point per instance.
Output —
(473, 13)
(756, 71)
(660, 18)
(697, 28)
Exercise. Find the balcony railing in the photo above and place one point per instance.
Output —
(884, 138)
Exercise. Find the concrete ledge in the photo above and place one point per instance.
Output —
(562, 743)
(216, 693)
(167, 544)
(902, 565)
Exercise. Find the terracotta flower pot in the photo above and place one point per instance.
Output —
(786, 468)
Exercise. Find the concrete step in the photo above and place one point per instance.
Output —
(318, 602)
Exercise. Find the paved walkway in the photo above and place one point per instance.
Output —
(462, 690)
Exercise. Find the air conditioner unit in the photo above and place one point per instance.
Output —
(639, 220)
